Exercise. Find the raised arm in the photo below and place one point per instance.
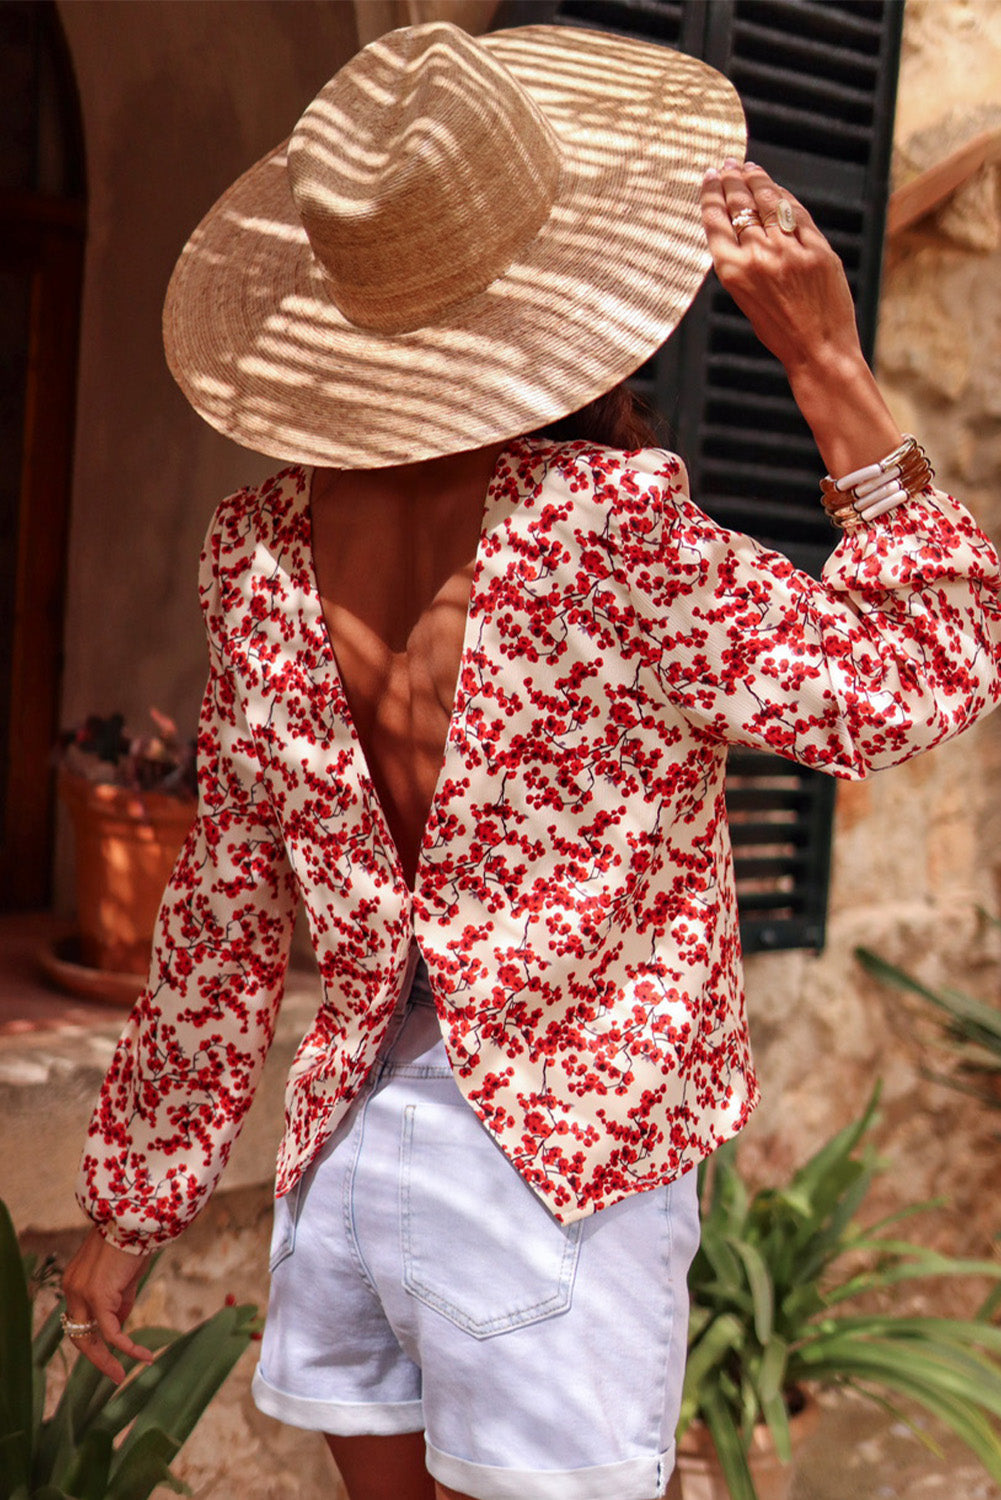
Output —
(792, 288)
(898, 646)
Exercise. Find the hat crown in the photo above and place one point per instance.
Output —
(420, 172)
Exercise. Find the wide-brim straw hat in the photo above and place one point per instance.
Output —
(463, 239)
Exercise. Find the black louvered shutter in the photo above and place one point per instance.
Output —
(818, 81)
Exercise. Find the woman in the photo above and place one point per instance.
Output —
(470, 700)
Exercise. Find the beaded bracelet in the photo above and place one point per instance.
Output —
(867, 493)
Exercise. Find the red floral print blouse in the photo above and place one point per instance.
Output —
(574, 898)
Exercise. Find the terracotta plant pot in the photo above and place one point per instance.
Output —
(701, 1477)
(126, 844)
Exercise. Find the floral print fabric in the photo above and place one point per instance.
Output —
(574, 897)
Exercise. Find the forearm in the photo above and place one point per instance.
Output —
(845, 410)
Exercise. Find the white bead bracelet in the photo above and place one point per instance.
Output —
(860, 497)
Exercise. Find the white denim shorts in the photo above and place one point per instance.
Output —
(419, 1285)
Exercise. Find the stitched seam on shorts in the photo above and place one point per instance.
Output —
(347, 1207)
(416, 1070)
(672, 1332)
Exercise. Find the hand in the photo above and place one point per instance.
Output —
(791, 286)
(100, 1284)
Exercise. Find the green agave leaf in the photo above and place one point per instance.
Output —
(957, 1004)
(927, 1205)
(832, 1158)
(54, 1448)
(15, 1462)
(724, 1334)
(749, 1408)
(48, 1338)
(720, 1254)
(772, 1382)
(84, 1397)
(86, 1477)
(44, 1345)
(960, 1331)
(760, 1282)
(776, 1414)
(937, 1264)
(144, 1466)
(969, 1424)
(18, 1406)
(174, 1391)
(729, 1449)
(698, 1321)
(94, 1394)
(880, 1277)
(899, 1414)
(909, 1367)
(725, 1203)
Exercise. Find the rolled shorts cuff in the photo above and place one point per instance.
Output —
(633, 1479)
(342, 1419)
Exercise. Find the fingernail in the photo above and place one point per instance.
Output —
(752, 166)
(711, 175)
(731, 161)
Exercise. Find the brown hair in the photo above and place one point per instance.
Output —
(619, 418)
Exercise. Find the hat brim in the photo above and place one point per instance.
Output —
(263, 354)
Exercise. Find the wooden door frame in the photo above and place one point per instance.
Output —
(44, 236)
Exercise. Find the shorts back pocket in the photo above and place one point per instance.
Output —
(478, 1245)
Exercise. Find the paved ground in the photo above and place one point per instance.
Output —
(859, 1453)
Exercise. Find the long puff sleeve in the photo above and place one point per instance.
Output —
(895, 649)
(186, 1067)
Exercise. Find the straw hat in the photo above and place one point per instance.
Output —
(462, 239)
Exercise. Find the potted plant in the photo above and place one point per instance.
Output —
(972, 1027)
(100, 1442)
(131, 800)
(777, 1288)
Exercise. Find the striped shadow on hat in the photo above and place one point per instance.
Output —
(462, 240)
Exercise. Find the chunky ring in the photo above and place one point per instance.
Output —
(744, 219)
(783, 217)
(77, 1330)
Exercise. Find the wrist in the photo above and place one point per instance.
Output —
(840, 400)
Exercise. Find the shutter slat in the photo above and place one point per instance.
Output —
(847, 27)
(763, 80)
(815, 56)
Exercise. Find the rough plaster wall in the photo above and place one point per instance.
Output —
(917, 849)
(177, 100)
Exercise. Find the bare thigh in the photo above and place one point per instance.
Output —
(383, 1468)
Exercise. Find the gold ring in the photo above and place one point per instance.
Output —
(744, 219)
(77, 1330)
(783, 217)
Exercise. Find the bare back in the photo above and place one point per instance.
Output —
(394, 551)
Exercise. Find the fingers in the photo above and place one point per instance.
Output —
(745, 193)
(93, 1347)
(768, 198)
(716, 217)
(777, 266)
(100, 1285)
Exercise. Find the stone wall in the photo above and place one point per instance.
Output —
(916, 849)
